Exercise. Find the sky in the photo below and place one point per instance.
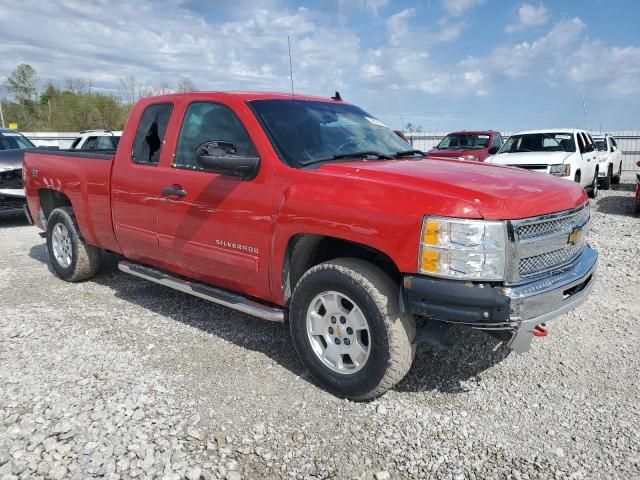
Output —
(440, 64)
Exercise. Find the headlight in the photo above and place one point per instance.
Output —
(470, 158)
(560, 170)
(463, 249)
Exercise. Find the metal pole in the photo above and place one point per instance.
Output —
(290, 65)
(1, 114)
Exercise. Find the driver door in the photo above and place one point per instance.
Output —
(212, 227)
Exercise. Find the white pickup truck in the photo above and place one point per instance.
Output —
(566, 153)
(609, 160)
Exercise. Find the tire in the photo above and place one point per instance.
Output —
(606, 181)
(388, 339)
(593, 189)
(615, 179)
(71, 258)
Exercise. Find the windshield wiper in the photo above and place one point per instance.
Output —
(407, 153)
(342, 156)
(364, 154)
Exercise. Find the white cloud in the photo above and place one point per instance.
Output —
(159, 43)
(539, 55)
(529, 16)
(458, 7)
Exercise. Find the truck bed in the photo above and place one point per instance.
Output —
(84, 178)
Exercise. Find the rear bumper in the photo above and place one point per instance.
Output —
(516, 309)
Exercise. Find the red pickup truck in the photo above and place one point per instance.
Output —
(468, 145)
(311, 210)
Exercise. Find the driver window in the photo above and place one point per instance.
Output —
(208, 122)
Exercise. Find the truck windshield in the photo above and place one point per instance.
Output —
(307, 132)
(601, 144)
(539, 142)
(464, 141)
(14, 141)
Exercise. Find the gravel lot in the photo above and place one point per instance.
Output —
(121, 378)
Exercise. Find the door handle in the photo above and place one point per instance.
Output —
(174, 191)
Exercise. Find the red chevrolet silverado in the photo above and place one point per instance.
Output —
(311, 210)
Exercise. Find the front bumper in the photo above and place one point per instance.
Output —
(12, 201)
(514, 309)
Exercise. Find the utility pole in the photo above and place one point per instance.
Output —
(1, 114)
(584, 105)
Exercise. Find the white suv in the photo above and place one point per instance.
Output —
(610, 160)
(96, 140)
(566, 153)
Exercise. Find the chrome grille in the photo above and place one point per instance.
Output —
(545, 243)
(546, 261)
(539, 229)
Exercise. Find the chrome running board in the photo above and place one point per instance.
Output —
(215, 295)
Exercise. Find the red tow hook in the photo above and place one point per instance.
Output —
(540, 330)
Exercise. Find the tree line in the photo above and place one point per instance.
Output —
(73, 104)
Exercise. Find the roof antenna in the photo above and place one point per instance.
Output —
(290, 66)
(337, 97)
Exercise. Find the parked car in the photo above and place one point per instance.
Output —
(565, 153)
(609, 160)
(311, 209)
(474, 146)
(12, 147)
(97, 140)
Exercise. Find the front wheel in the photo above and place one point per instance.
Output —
(616, 178)
(593, 189)
(347, 328)
(72, 259)
(606, 181)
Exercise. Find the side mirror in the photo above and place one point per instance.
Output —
(613, 148)
(493, 150)
(222, 158)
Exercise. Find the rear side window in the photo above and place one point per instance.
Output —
(91, 143)
(147, 145)
(208, 122)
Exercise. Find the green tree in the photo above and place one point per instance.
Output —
(22, 83)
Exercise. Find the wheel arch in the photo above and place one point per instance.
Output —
(52, 199)
(305, 251)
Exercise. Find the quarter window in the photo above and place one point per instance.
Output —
(147, 145)
(209, 122)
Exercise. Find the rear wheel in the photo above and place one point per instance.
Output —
(72, 259)
(606, 181)
(347, 328)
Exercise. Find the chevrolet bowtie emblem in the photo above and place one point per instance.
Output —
(574, 236)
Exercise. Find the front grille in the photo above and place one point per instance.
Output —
(11, 179)
(547, 261)
(531, 167)
(545, 243)
(546, 227)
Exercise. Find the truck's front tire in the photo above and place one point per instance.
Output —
(72, 259)
(348, 330)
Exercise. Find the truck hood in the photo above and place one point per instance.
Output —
(469, 188)
(529, 158)
(454, 152)
(11, 159)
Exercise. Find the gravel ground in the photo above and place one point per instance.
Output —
(121, 378)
